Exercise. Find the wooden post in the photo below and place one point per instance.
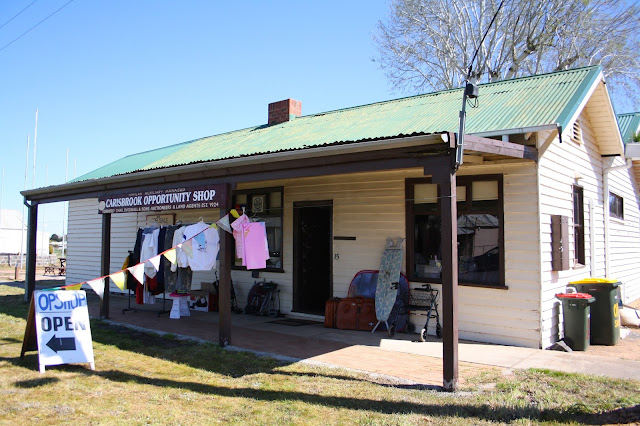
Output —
(105, 261)
(224, 287)
(32, 232)
(446, 178)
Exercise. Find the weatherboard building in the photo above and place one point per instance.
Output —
(332, 187)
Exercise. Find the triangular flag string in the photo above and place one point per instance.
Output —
(119, 278)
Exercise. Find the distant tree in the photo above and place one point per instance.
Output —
(55, 237)
(428, 44)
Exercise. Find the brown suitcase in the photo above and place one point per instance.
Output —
(367, 315)
(330, 312)
(356, 313)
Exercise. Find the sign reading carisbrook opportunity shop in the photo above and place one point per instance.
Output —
(180, 198)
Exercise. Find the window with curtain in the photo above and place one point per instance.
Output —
(264, 205)
(480, 230)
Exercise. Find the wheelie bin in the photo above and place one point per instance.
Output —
(576, 314)
(605, 313)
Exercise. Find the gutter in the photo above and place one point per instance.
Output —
(518, 130)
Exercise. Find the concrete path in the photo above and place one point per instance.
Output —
(401, 357)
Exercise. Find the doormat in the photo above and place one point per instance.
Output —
(294, 322)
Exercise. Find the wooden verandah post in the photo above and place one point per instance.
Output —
(105, 263)
(32, 232)
(224, 287)
(445, 177)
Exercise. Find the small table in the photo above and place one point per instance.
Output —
(180, 306)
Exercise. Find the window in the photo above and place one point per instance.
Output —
(264, 205)
(578, 225)
(480, 230)
(616, 206)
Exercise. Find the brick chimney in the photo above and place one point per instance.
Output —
(286, 110)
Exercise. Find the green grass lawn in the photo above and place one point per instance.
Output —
(144, 378)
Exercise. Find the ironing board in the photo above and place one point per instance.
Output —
(388, 279)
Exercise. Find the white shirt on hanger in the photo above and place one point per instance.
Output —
(205, 250)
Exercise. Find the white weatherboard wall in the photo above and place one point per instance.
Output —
(84, 241)
(624, 234)
(562, 166)
(370, 207)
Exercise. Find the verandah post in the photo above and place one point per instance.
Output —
(224, 287)
(446, 178)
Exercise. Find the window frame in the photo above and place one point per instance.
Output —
(266, 192)
(579, 248)
(619, 203)
(467, 182)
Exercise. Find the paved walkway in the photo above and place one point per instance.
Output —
(401, 357)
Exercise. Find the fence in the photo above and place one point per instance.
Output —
(14, 260)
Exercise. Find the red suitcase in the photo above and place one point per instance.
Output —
(330, 312)
(356, 313)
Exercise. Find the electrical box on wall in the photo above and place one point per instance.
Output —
(560, 242)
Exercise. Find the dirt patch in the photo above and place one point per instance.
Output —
(627, 348)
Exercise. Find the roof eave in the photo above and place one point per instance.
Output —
(241, 162)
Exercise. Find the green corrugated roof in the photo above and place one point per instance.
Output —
(628, 124)
(548, 99)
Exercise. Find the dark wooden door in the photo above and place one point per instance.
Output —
(312, 256)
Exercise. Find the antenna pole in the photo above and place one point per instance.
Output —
(35, 139)
(26, 173)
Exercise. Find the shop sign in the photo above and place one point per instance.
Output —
(180, 198)
(62, 328)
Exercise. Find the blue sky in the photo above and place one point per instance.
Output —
(112, 78)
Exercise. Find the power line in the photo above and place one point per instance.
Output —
(28, 6)
(30, 29)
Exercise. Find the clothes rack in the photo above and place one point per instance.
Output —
(160, 312)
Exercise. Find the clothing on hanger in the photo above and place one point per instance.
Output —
(205, 249)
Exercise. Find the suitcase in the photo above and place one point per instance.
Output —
(356, 313)
(330, 312)
(367, 315)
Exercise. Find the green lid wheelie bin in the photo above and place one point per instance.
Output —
(605, 313)
(575, 314)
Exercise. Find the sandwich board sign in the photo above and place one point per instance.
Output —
(59, 322)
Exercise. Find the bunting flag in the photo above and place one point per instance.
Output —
(155, 261)
(52, 289)
(223, 223)
(187, 247)
(235, 213)
(97, 286)
(170, 255)
(118, 279)
(214, 226)
(138, 272)
(73, 287)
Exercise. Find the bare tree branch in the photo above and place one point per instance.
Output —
(428, 44)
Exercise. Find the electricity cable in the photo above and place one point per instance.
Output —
(30, 29)
(18, 14)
